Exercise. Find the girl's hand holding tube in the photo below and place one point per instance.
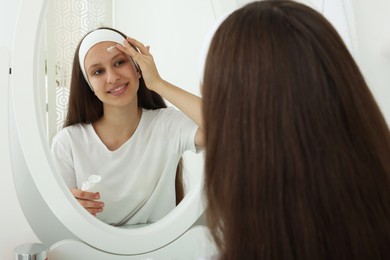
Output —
(89, 200)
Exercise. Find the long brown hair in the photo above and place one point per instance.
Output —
(85, 107)
(297, 150)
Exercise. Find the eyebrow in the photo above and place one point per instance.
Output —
(99, 64)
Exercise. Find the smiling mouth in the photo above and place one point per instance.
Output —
(117, 89)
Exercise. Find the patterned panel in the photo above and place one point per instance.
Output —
(62, 95)
(72, 20)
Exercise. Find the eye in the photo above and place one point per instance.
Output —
(97, 72)
(120, 62)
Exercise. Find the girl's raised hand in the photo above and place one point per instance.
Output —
(144, 59)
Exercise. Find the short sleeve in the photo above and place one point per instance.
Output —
(181, 129)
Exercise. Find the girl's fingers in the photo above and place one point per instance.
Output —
(133, 47)
(94, 211)
(88, 200)
(126, 49)
(92, 207)
(91, 204)
(129, 50)
(141, 47)
(121, 47)
(80, 194)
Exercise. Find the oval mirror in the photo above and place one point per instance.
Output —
(49, 207)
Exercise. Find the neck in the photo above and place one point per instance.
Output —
(117, 125)
(123, 117)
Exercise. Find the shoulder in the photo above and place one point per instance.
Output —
(163, 115)
(70, 132)
(161, 112)
(170, 114)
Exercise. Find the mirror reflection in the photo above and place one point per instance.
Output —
(101, 128)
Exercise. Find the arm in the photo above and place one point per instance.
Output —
(188, 103)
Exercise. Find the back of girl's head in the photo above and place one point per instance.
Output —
(297, 151)
(85, 107)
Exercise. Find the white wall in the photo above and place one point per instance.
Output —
(373, 34)
(14, 229)
(8, 11)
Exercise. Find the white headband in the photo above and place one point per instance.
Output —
(97, 36)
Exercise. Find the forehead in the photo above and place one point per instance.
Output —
(98, 53)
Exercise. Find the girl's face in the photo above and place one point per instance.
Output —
(112, 75)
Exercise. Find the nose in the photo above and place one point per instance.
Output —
(112, 76)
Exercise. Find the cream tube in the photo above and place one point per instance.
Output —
(91, 182)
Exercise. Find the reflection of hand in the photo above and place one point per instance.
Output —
(88, 200)
(145, 61)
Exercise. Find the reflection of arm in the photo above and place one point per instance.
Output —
(188, 103)
(180, 129)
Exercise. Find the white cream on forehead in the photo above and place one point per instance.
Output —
(109, 49)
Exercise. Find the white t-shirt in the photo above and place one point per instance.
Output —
(138, 179)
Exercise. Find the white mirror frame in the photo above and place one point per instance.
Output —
(50, 209)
